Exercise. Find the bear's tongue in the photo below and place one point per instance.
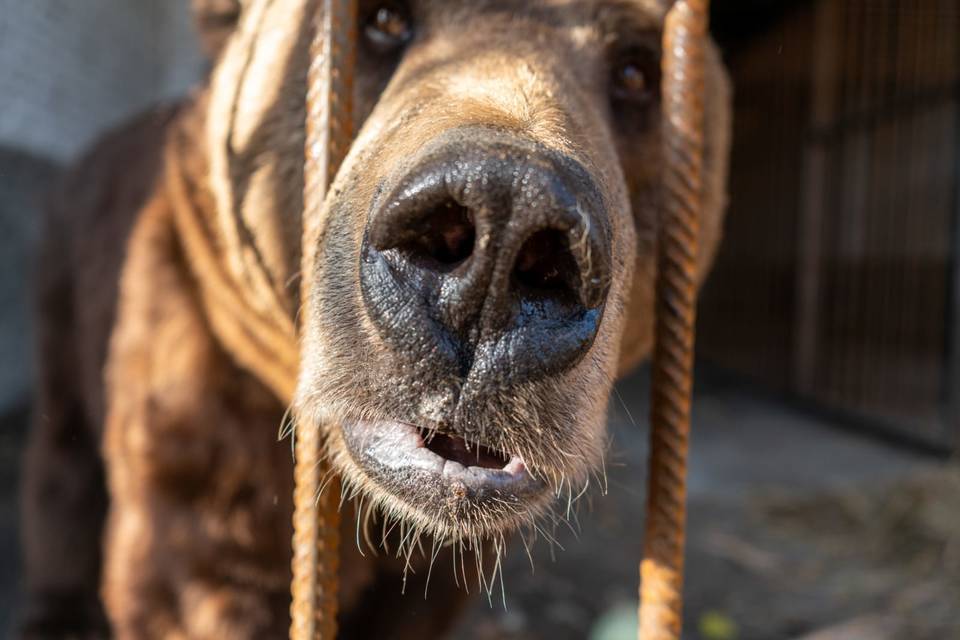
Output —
(455, 448)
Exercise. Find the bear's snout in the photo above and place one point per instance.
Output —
(491, 253)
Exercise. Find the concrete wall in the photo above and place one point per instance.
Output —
(68, 70)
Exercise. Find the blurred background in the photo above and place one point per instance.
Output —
(825, 494)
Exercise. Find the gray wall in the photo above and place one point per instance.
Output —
(69, 69)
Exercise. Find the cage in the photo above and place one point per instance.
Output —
(837, 279)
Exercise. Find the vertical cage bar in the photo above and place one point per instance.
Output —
(661, 570)
(329, 133)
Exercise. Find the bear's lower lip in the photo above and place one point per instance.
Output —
(444, 475)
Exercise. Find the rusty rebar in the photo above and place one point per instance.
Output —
(329, 133)
(661, 570)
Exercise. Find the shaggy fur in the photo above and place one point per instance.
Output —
(171, 262)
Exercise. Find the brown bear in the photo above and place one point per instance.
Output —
(483, 272)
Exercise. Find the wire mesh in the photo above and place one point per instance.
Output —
(836, 281)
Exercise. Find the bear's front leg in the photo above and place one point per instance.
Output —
(198, 534)
(64, 499)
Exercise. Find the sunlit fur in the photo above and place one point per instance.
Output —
(172, 262)
(495, 72)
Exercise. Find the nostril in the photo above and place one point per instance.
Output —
(444, 236)
(546, 266)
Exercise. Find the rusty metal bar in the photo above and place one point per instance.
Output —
(661, 570)
(329, 133)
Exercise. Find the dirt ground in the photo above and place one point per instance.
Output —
(797, 531)
(876, 561)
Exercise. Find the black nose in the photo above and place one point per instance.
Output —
(491, 256)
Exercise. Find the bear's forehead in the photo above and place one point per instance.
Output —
(654, 7)
(558, 13)
(582, 26)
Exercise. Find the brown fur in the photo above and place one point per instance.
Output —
(195, 212)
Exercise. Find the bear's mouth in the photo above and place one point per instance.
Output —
(456, 449)
(435, 473)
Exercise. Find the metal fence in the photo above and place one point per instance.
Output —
(837, 280)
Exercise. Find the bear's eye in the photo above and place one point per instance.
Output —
(636, 77)
(388, 27)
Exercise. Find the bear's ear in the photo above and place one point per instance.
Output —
(215, 20)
